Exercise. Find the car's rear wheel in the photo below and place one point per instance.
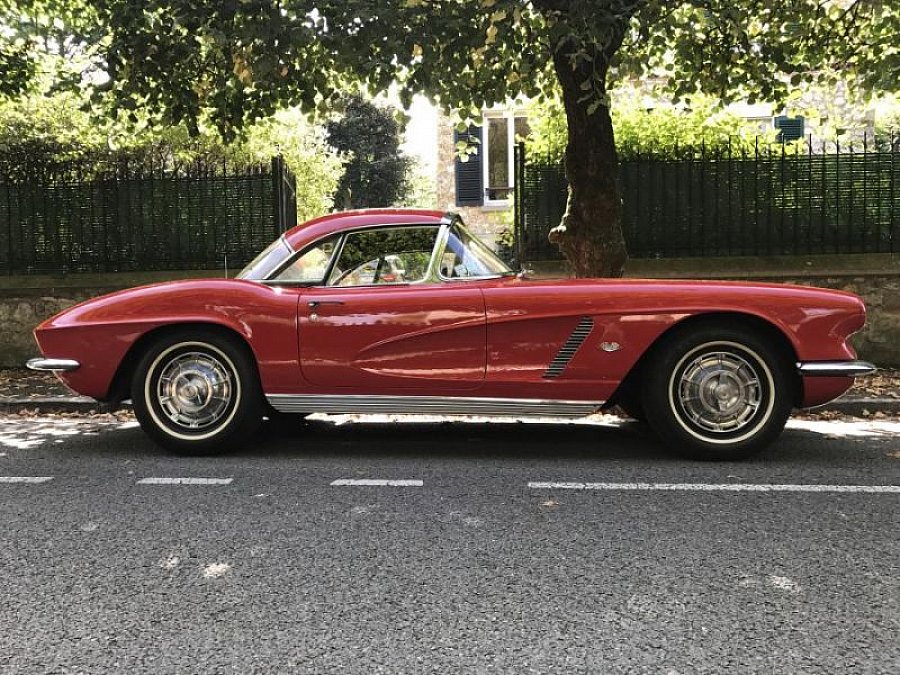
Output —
(717, 392)
(197, 392)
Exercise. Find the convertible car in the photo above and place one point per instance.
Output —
(405, 311)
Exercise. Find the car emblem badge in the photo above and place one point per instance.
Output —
(610, 346)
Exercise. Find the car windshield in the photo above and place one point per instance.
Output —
(268, 261)
(465, 256)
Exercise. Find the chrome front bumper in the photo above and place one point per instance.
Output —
(53, 365)
(836, 368)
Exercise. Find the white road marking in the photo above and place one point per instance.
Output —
(25, 479)
(184, 481)
(717, 487)
(377, 482)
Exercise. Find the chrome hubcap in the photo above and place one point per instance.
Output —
(194, 390)
(720, 391)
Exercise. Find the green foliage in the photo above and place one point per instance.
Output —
(667, 128)
(661, 130)
(316, 165)
(375, 171)
(761, 51)
(506, 248)
(45, 135)
(234, 62)
(422, 190)
(17, 69)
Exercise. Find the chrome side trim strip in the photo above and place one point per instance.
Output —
(54, 365)
(836, 368)
(430, 405)
(567, 352)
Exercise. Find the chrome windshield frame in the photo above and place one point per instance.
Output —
(289, 255)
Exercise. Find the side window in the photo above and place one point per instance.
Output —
(311, 265)
(390, 255)
(466, 257)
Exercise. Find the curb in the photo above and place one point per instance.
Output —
(856, 406)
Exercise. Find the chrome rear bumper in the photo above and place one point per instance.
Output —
(54, 365)
(836, 368)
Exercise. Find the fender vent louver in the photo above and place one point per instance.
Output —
(567, 351)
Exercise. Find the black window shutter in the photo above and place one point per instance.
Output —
(469, 177)
(790, 128)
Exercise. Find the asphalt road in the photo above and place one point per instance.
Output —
(466, 567)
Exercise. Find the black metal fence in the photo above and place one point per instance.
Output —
(767, 200)
(141, 217)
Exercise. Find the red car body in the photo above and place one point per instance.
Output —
(491, 338)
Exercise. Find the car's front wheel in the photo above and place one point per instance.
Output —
(196, 392)
(717, 392)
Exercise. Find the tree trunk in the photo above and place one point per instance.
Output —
(590, 234)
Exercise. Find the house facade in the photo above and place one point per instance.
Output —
(481, 188)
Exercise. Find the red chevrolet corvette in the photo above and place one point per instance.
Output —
(404, 311)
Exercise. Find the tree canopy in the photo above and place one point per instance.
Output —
(233, 61)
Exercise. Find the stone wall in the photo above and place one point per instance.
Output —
(26, 301)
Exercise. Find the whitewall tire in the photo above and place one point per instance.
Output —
(196, 391)
(718, 392)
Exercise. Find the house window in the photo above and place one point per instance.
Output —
(502, 130)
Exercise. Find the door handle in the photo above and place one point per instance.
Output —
(316, 303)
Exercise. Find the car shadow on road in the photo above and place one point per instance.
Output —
(611, 439)
(461, 439)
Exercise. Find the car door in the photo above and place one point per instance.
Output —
(381, 322)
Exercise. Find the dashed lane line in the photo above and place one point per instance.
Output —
(536, 485)
(717, 487)
(375, 482)
(184, 481)
(25, 479)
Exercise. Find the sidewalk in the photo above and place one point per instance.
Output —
(29, 391)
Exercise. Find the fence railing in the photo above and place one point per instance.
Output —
(767, 200)
(143, 218)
